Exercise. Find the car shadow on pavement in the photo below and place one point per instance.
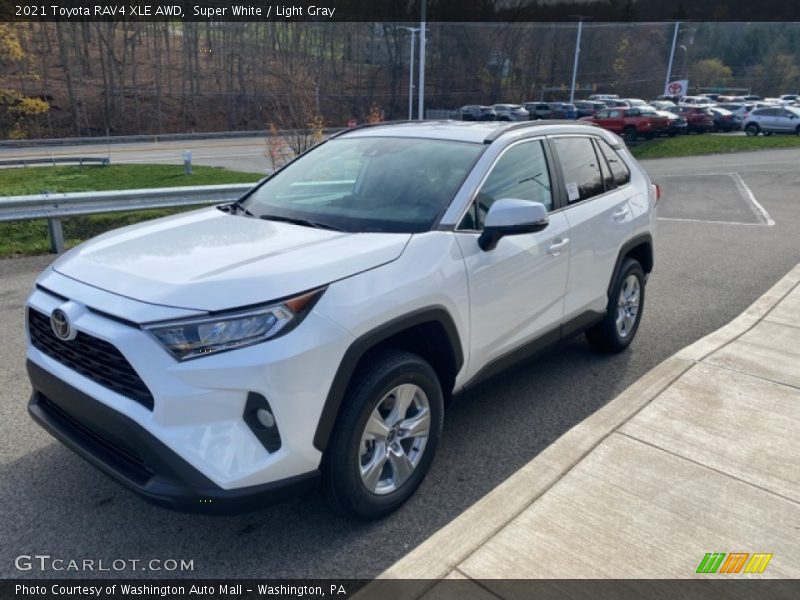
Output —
(56, 504)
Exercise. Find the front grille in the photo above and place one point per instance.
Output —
(91, 357)
(123, 461)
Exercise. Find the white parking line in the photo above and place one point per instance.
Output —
(759, 211)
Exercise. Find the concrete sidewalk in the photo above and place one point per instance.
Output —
(700, 455)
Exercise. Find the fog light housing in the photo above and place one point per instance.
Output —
(260, 419)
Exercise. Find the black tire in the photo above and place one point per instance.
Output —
(752, 129)
(604, 337)
(672, 133)
(371, 383)
(797, 131)
(768, 133)
(630, 134)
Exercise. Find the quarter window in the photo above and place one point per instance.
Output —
(619, 170)
(520, 173)
(580, 167)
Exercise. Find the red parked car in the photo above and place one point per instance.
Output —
(630, 123)
(699, 118)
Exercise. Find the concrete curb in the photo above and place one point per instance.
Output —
(438, 555)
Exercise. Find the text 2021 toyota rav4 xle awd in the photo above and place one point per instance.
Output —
(316, 328)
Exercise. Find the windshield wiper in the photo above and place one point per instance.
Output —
(233, 207)
(303, 222)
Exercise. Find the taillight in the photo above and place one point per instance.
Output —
(656, 191)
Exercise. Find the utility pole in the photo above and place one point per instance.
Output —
(672, 56)
(577, 56)
(413, 31)
(422, 14)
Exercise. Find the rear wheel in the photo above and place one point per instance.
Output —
(623, 313)
(752, 129)
(386, 436)
(630, 134)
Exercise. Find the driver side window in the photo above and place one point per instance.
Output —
(520, 173)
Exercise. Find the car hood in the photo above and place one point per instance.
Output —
(209, 260)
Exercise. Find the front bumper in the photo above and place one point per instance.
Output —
(127, 453)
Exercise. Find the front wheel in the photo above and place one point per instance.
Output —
(386, 436)
(752, 129)
(623, 313)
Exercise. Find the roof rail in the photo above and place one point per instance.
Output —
(523, 124)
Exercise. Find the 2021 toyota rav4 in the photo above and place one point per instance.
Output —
(316, 328)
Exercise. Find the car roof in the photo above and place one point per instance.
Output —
(465, 131)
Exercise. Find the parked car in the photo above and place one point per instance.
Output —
(699, 118)
(603, 97)
(630, 122)
(773, 120)
(538, 110)
(738, 108)
(751, 98)
(790, 97)
(636, 102)
(510, 112)
(662, 104)
(697, 100)
(587, 108)
(725, 120)
(474, 112)
(563, 110)
(668, 98)
(677, 125)
(311, 332)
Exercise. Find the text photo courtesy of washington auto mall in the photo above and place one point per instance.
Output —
(403, 299)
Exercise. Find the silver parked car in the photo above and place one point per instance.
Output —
(510, 112)
(775, 119)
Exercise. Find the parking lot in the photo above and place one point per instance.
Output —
(729, 229)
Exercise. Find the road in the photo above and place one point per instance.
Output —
(239, 154)
(715, 255)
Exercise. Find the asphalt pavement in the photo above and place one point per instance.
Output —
(711, 264)
(248, 154)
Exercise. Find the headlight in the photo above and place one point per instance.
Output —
(192, 338)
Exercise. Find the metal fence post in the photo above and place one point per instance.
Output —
(56, 234)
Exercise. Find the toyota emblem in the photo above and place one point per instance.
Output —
(60, 324)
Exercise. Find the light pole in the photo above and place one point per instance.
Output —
(577, 56)
(413, 31)
(421, 108)
(671, 56)
(685, 74)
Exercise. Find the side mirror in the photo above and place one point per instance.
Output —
(509, 216)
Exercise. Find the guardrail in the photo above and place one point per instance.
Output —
(81, 160)
(54, 207)
(155, 138)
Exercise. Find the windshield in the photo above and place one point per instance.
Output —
(393, 185)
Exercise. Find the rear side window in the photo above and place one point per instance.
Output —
(619, 170)
(581, 168)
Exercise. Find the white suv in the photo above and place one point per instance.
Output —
(316, 328)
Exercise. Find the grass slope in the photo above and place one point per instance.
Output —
(695, 145)
(30, 237)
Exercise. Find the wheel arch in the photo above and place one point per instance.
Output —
(640, 248)
(429, 332)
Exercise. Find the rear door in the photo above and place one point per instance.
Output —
(599, 218)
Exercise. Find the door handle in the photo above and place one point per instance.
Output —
(556, 247)
(620, 214)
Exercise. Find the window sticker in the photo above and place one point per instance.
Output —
(572, 191)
